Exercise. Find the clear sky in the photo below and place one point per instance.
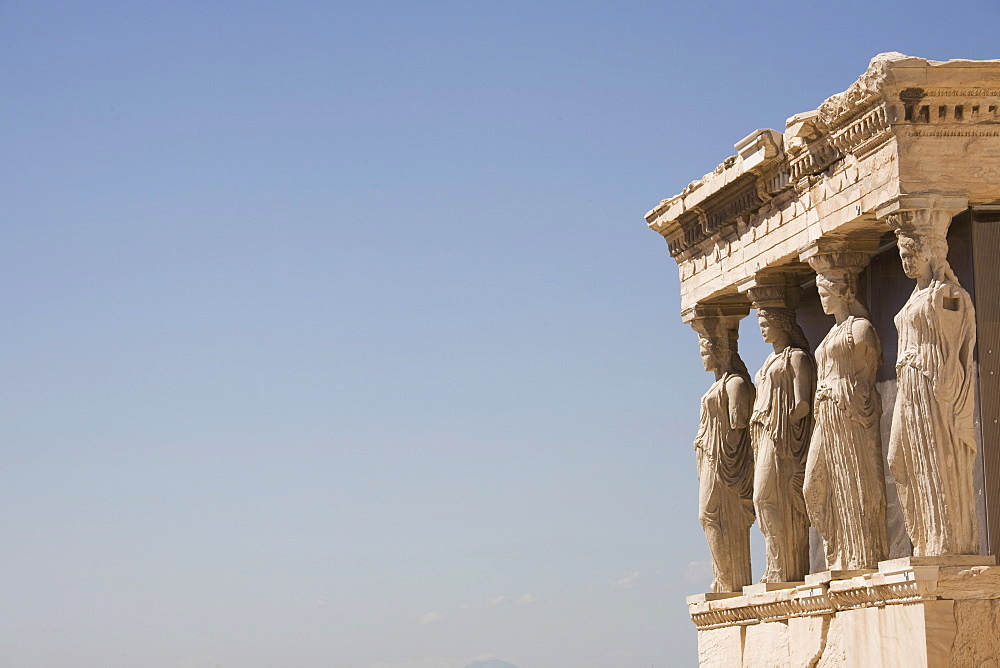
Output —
(333, 334)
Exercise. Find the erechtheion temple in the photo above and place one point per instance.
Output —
(866, 447)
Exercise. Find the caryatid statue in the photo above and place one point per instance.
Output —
(932, 446)
(780, 427)
(844, 484)
(723, 451)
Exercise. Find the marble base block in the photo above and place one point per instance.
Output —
(911, 612)
(763, 587)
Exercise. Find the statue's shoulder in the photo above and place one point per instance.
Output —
(953, 289)
(736, 384)
(863, 330)
(801, 361)
(799, 355)
(950, 296)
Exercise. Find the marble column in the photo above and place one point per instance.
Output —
(932, 444)
(844, 484)
(722, 447)
(780, 427)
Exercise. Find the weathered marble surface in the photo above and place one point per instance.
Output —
(912, 612)
(908, 125)
(808, 637)
(761, 640)
(932, 447)
(781, 425)
(844, 484)
(721, 649)
(724, 455)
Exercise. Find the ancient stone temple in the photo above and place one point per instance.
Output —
(866, 447)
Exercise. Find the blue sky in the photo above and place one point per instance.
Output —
(334, 334)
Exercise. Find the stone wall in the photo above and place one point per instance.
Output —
(909, 613)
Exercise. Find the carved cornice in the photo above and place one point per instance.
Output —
(914, 132)
(891, 585)
(895, 78)
(849, 595)
(712, 208)
(921, 106)
(830, 168)
(714, 619)
(746, 612)
(808, 146)
(883, 102)
(963, 92)
(864, 133)
(716, 216)
(817, 157)
(866, 89)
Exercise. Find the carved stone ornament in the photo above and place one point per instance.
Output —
(932, 447)
(780, 427)
(844, 485)
(724, 455)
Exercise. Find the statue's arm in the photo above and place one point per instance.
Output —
(803, 384)
(956, 317)
(949, 303)
(738, 390)
(866, 342)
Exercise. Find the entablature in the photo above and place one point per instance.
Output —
(906, 126)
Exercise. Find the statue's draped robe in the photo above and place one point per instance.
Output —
(780, 446)
(725, 474)
(845, 487)
(932, 447)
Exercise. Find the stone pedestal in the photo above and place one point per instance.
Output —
(912, 612)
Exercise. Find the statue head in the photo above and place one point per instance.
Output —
(922, 239)
(709, 353)
(924, 255)
(838, 291)
(837, 281)
(717, 341)
(777, 323)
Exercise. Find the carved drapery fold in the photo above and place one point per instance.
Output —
(932, 447)
(723, 453)
(780, 427)
(844, 484)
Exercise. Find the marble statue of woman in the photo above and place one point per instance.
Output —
(844, 485)
(725, 463)
(780, 426)
(932, 447)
